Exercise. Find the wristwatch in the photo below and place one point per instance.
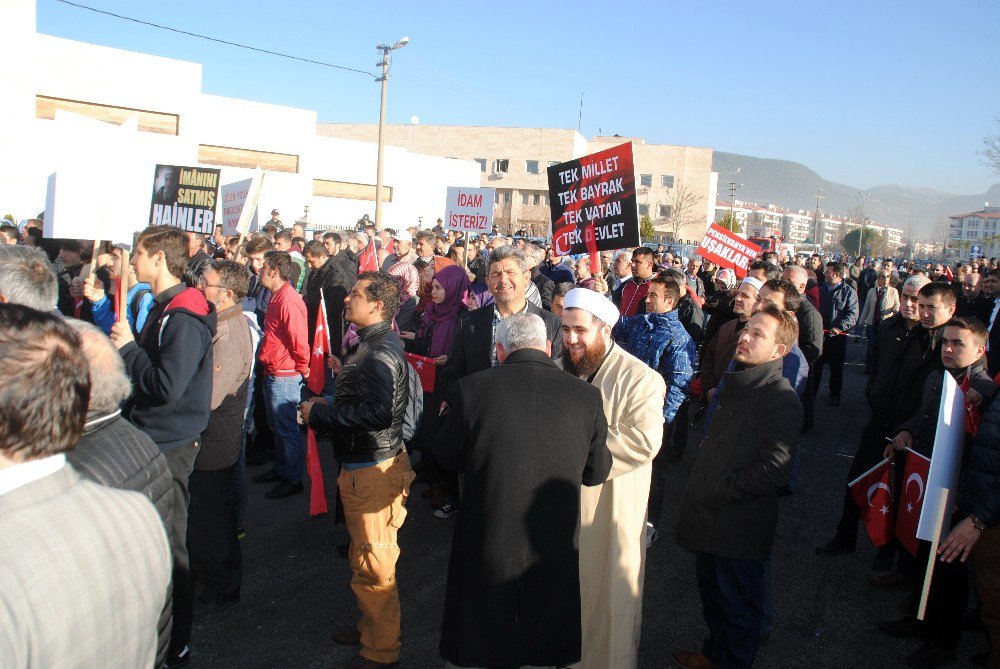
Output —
(976, 523)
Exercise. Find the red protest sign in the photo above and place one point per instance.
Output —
(593, 205)
(727, 249)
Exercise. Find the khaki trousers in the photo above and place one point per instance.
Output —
(374, 507)
(986, 566)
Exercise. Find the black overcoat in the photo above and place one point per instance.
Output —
(527, 435)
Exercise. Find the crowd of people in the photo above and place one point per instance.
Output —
(134, 397)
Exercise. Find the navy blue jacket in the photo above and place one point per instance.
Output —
(838, 305)
(982, 471)
(170, 365)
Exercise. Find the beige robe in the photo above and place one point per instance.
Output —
(613, 515)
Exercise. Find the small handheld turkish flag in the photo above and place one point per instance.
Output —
(873, 493)
(912, 499)
(973, 414)
(426, 369)
(368, 259)
(317, 379)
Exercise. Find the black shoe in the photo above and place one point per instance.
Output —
(883, 559)
(283, 489)
(902, 628)
(889, 581)
(347, 635)
(270, 476)
(259, 459)
(972, 622)
(446, 510)
(651, 534)
(835, 547)
(179, 659)
(358, 662)
(930, 655)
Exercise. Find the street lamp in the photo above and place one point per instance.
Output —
(861, 231)
(384, 64)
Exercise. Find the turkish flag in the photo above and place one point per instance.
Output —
(873, 493)
(973, 413)
(317, 379)
(368, 259)
(426, 369)
(912, 500)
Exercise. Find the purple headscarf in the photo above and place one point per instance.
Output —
(455, 282)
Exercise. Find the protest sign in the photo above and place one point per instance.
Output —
(469, 209)
(185, 198)
(593, 205)
(235, 198)
(946, 461)
(727, 249)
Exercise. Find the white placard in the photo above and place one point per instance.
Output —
(469, 209)
(946, 461)
(232, 200)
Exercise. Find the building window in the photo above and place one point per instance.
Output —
(531, 166)
(482, 164)
(646, 180)
(506, 197)
(667, 180)
(543, 200)
(664, 211)
(501, 165)
(535, 199)
(525, 199)
(643, 210)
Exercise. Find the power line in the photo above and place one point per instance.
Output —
(215, 39)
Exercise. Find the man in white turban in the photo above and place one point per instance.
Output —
(613, 515)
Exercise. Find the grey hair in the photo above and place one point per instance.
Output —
(535, 254)
(800, 272)
(917, 281)
(109, 384)
(677, 276)
(27, 278)
(524, 330)
(509, 252)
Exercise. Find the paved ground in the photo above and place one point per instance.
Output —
(296, 588)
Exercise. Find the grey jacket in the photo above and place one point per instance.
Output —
(729, 507)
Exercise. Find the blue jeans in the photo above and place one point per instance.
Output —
(732, 599)
(283, 394)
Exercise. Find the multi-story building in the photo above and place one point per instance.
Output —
(978, 228)
(676, 187)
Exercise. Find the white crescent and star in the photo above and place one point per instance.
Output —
(920, 484)
(875, 487)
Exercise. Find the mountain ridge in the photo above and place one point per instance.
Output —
(920, 210)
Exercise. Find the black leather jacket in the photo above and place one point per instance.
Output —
(366, 418)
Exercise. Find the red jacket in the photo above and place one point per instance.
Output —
(285, 351)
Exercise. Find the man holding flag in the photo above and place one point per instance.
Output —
(963, 346)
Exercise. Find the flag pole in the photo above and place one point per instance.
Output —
(926, 591)
(881, 462)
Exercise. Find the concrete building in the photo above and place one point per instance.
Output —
(978, 228)
(179, 124)
(676, 187)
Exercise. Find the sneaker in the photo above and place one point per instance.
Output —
(651, 535)
(180, 659)
(283, 489)
(446, 510)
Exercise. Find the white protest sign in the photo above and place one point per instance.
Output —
(99, 190)
(946, 462)
(469, 209)
(233, 201)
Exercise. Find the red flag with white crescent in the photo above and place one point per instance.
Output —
(426, 369)
(911, 499)
(973, 413)
(368, 258)
(873, 493)
(317, 379)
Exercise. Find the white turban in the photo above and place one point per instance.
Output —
(593, 302)
(753, 281)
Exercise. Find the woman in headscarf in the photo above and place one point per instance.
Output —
(406, 274)
(427, 273)
(438, 326)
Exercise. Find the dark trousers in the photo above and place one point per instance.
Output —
(657, 484)
(809, 396)
(986, 565)
(948, 596)
(180, 460)
(732, 601)
(834, 353)
(216, 560)
(261, 447)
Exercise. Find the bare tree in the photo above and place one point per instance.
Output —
(685, 209)
(990, 152)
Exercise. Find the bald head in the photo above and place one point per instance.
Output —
(109, 385)
(798, 276)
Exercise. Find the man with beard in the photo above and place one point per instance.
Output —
(729, 507)
(613, 516)
(719, 351)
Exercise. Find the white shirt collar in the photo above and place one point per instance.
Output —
(20, 475)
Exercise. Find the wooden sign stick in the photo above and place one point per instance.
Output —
(926, 591)
(123, 288)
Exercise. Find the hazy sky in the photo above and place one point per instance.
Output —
(864, 93)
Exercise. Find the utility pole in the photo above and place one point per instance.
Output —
(861, 230)
(733, 186)
(817, 228)
(384, 64)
